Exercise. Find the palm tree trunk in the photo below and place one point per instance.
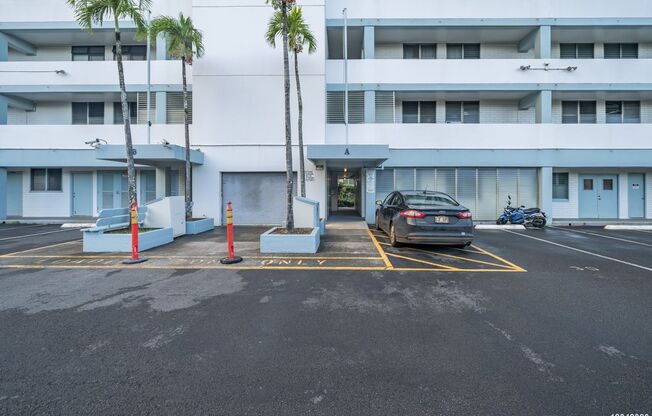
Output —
(288, 127)
(186, 121)
(302, 167)
(131, 168)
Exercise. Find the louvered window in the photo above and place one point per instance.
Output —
(628, 112)
(420, 51)
(175, 113)
(385, 107)
(384, 183)
(87, 113)
(583, 112)
(462, 112)
(576, 50)
(560, 185)
(404, 179)
(621, 50)
(141, 101)
(463, 51)
(335, 107)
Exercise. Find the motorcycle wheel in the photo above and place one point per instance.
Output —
(539, 222)
(501, 221)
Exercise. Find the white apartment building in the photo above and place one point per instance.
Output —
(549, 101)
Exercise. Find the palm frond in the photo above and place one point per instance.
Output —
(184, 40)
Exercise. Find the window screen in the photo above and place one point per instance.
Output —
(631, 112)
(404, 179)
(471, 51)
(621, 50)
(587, 112)
(410, 51)
(560, 185)
(410, 112)
(453, 112)
(38, 180)
(335, 107)
(614, 111)
(569, 112)
(454, 51)
(429, 51)
(471, 112)
(576, 50)
(428, 113)
(88, 53)
(79, 113)
(95, 113)
(117, 113)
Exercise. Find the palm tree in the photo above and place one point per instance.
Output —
(89, 12)
(299, 35)
(283, 6)
(184, 42)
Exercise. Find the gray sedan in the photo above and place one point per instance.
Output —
(424, 217)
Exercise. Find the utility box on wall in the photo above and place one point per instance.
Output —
(167, 212)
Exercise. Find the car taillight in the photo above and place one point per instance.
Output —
(412, 213)
(465, 215)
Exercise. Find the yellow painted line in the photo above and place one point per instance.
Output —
(418, 269)
(516, 268)
(182, 267)
(39, 248)
(423, 262)
(458, 257)
(380, 250)
(126, 255)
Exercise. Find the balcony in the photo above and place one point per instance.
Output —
(74, 136)
(496, 136)
(34, 76)
(481, 9)
(491, 74)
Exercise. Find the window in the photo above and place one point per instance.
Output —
(462, 112)
(463, 51)
(628, 112)
(132, 53)
(88, 53)
(588, 184)
(621, 50)
(87, 113)
(573, 112)
(560, 185)
(117, 113)
(608, 184)
(576, 51)
(335, 107)
(419, 112)
(419, 51)
(45, 180)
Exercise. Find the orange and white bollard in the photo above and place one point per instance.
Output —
(134, 236)
(232, 258)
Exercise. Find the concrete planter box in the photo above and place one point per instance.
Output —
(199, 226)
(100, 242)
(290, 243)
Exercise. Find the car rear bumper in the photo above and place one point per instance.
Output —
(436, 238)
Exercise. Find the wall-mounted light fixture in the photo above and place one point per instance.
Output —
(96, 143)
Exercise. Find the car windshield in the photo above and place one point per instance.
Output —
(430, 199)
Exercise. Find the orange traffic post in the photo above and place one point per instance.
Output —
(134, 236)
(232, 258)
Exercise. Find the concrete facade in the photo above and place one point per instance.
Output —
(509, 98)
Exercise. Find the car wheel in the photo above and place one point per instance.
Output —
(392, 237)
(378, 223)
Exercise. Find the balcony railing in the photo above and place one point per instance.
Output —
(73, 137)
(18, 76)
(496, 136)
(442, 74)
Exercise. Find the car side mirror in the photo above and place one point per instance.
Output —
(379, 202)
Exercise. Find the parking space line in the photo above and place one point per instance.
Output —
(429, 263)
(37, 248)
(380, 251)
(113, 256)
(516, 268)
(603, 236)
(186, 267)
(33, 235)
(24, 226)
(581, 251)
(459, 257)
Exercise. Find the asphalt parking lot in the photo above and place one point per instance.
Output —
(554, 321)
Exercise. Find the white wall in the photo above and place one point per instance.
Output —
(51, 113)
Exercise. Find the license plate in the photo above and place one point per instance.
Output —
(441, 220)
